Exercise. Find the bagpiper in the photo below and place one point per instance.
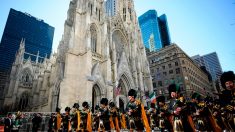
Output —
(85, 114)
(104, 116)
(163, 123)
(227, 97)
(95, 118)
(75, 121)
(197, 110)
(137, 117)
(175, 107)
(66, 120)
(152, 116)
(114, 116)
(57, 121)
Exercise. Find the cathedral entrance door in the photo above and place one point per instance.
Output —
(96, 96)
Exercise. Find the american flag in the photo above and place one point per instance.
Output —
(118, 90)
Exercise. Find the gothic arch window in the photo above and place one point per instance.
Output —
(26, 78)
(93, 39)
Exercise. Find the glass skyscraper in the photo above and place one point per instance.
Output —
(111, 7)
(38, 37)
(154, 30)
(212, 64)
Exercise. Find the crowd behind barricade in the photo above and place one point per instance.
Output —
(174, 115)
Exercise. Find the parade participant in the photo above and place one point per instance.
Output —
(57, 121)
(123, 121)
(17, 123)
(75, 121)
(95, 118)
(50, 123)
(162, 115)
(217, 114)
(37, 119)
(8, 123)
(137, 116)
(104, 121)
(175, 108)
(197, 110)
(228, 96)
(152, 116)
(66, 120)
(85, 114)
(114, 116)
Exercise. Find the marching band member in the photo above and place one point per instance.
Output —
(196, 108)
(66, 120)
(227, 98)
(85, 125)
(162, 115)
(152, 116)
(104, 121)
(137, 116)
(114, 116)
(175, 108)
(75, 121)
(57, 121)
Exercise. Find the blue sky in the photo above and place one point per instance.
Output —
(197, 26)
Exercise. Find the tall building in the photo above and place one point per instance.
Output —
(98, 57)
(213, 66)
(172, 65)
(155, 27)
(37, 34)
(111, 7)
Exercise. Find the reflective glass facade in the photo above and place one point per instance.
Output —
(212, 64)
(38, 36)
(155, 27)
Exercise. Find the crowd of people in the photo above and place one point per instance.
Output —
(175, 114)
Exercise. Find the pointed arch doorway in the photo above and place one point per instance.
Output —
(121, 92)
(96, 96)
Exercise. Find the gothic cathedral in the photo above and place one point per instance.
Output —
(99, 56)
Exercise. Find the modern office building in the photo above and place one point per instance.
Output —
(111, 7)
(212, 64)
(37, 34)
(172, 65)
(155, 30)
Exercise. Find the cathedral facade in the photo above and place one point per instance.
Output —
(98, 56)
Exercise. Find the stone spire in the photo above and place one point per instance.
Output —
(20, 53)
(37, 57)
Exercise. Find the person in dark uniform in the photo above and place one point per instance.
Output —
(227, 97)
(57, 121)
(37, 119)
(137, 117)
(50, 123)
(152, 116)
(175, 107)
(104, 122)
(85, 114)
(66, 120)
(197, 110)
(114, 116)
(95, 118)
(8, 123)
(162, 115)
(75, 117)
